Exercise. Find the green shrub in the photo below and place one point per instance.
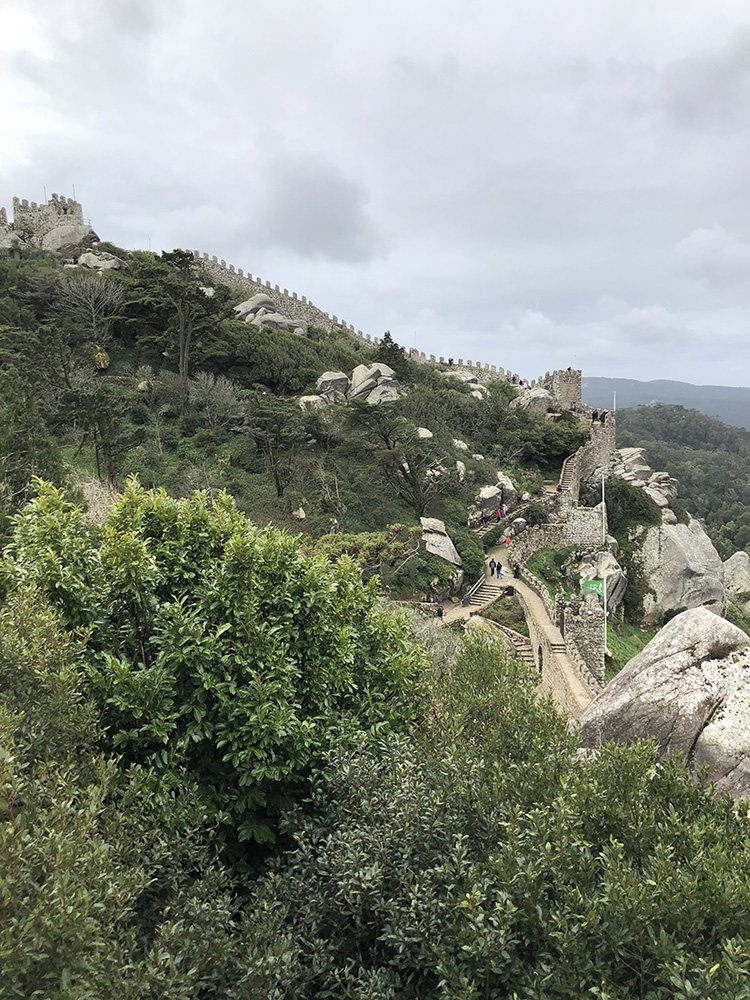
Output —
(217, 650)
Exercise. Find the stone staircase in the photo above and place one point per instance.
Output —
(567, 476)
(522, 645)
(491, 589)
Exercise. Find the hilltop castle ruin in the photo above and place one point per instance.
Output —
(59, 226)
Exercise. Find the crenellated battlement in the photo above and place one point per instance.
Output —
(34, 221)
(564, 385)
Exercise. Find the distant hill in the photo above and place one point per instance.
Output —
(729, 403)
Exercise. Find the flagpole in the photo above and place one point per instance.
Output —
(604, 517)
(604, 576)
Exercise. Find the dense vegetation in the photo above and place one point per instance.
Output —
(472, 855)
(710, 460)
(140, 372)
(226, 768)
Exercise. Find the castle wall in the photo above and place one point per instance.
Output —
(599, 449)
(299, 308)
(34, 221)
(583, 626)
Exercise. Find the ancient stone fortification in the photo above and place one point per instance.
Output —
(581, 626)
(58, 225)
(36, 221)
(564, 385)
(583, 630)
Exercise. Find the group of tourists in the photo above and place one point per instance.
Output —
(601, 416)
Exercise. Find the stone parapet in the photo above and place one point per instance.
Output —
(583, 631)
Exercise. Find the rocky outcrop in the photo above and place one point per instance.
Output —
(423, 432)
(490, 499)
(332, 386)
(737, 580)
(689, 689)
(510, 493)
(630, 465)
(101, 261)
(261, 310)
(681, 567)
(604, 566)
(437, 540)
(478, 390)
(374, 384)
(311, 403)
(69, 240)
(538, 399)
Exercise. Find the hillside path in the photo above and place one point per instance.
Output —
(561, 677)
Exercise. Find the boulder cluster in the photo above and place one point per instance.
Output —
(371, 384)
(261, 310)
(538, 398)
(630, 464)
(98, 260)
(478, 390)
(490, 499)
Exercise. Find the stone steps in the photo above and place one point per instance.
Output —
(487, 593)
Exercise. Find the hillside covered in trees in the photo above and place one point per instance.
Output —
(709, 459)
(228, 766)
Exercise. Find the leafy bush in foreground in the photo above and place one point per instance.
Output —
(216, 649)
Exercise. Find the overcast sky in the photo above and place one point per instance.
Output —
(529, 183)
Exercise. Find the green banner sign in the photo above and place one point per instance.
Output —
(596, 585)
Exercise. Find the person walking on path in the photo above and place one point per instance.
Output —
(440, 612)
(516, 571)
(498, 515)
(492, 565)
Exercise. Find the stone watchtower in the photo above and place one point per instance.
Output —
(59, 226)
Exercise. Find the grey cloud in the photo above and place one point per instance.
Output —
(716, 256)
(309, 207)
(710, 90)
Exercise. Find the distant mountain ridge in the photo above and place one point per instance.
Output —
(731, 404)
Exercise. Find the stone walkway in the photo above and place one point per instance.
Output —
(561, 677)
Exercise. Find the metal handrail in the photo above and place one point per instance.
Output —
(470, 593)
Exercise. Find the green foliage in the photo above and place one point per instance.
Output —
(217, 649)
(105, 888)
(507, 611)
(469, 547)
(393, 355)
(623, 643)
(548, 565)
(483, 862)
(738, 617)
(26, 447)
(628, 507)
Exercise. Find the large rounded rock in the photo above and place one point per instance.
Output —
(682, 569)
(737, 580)
(437, 540)
(510, 493)
(251, 306)
(330, 382)
(538, 399)
(689, 690)
(273, 320)
(70, 240)
(102, 261)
